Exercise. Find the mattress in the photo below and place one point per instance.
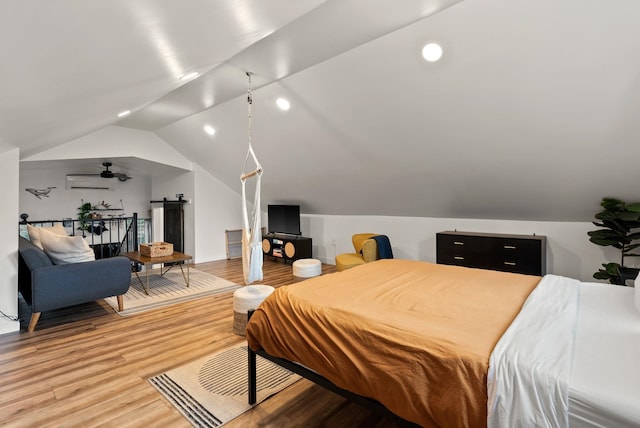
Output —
(605, 382)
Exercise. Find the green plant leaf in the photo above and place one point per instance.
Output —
(606, 237)
(612, 269)
(606, 243)
(606, 233)
(635, 207)
(629, 216)
(612, 204)
(606, 215)
(602, 275)
(618, 225)
(602, 242)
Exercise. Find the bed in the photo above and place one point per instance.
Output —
(443, 345)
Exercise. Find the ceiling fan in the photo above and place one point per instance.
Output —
(110, 174)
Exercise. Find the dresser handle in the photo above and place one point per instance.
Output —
(458, 243)
(510, 263)
(458, 257)
(509, 247)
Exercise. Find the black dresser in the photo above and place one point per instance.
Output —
(509, 253)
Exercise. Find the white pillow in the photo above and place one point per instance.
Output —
(66, 249)
(34, 233)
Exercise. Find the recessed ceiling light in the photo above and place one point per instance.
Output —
(283, 104)
(432, 52)
(124, 113)
(189, 76)
(209, 130)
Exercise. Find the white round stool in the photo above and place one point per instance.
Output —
(245, 299)
(306, 268)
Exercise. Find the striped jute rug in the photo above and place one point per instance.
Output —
(213, 390)
(169, 289)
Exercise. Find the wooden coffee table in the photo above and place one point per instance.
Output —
(176, 257)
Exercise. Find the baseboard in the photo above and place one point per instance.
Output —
(224, 257)
(9, 326)
(210, 259)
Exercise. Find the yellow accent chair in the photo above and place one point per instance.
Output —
(366, 251)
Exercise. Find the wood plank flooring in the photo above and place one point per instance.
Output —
(86, 366)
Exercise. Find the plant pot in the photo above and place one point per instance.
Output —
(626, 273)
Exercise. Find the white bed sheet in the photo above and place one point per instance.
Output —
(604, 390)
(530, 366)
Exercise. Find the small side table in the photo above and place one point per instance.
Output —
(176, 257)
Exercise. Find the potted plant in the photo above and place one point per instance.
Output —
(84, 215)
(619, 223)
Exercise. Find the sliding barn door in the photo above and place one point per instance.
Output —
(174, 224)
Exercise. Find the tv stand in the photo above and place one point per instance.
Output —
(286, 247)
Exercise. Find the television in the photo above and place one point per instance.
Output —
(284, 219)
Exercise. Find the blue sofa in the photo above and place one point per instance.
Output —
(46, 286)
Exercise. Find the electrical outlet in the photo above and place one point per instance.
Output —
(333, 242)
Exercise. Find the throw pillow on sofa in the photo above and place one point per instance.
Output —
(34, 233)
(66, 249)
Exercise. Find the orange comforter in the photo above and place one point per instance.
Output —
(412, 335)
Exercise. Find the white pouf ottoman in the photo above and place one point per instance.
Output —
(245, 299)
(306, 268)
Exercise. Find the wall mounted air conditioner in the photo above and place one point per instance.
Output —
(91, 181)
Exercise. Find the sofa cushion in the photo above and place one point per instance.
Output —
(348, 260)
(33, 256)
(34, 233)
(66, 249)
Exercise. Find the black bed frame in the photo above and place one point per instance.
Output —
(319, 380)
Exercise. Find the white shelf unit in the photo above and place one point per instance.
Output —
(233, 242)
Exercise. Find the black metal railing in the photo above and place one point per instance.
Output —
(108, 237)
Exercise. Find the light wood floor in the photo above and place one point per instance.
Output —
(86, 366)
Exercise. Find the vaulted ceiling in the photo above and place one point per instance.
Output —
(532, 113)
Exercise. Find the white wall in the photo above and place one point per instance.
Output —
(569, 252)
(218, 208)
(63, 203)
(115, 141)
(9, 161)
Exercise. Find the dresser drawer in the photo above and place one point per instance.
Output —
(519, 256)
(467, 251)
(509, 253)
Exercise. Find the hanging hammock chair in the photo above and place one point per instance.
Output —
(251, 228)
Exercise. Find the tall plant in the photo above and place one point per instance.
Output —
(619, 223)
(84, 215)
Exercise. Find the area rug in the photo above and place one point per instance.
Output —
(213, 390)
(169, 289)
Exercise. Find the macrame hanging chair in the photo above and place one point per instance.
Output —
(251, 227)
